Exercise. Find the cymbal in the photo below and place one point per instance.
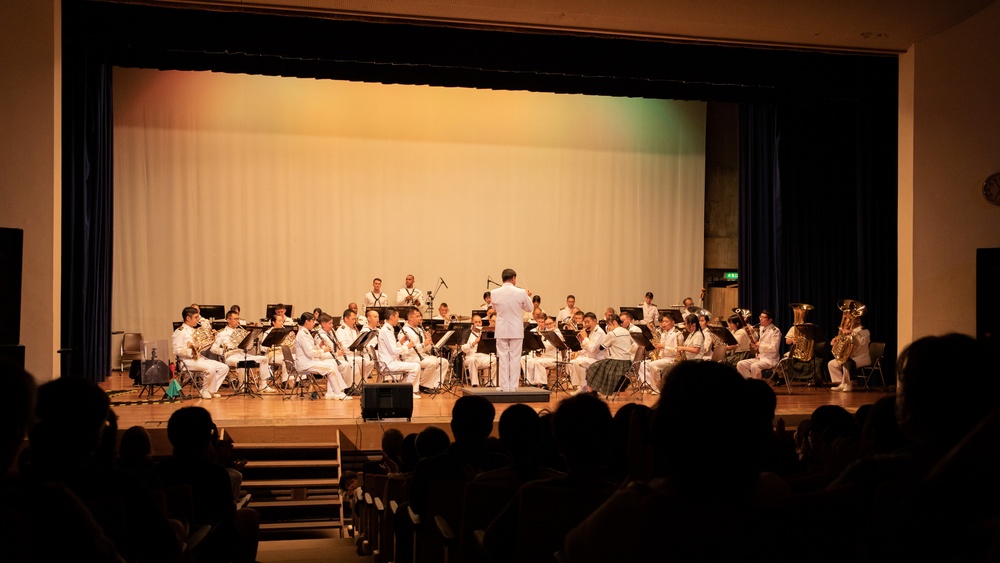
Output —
(462, 318)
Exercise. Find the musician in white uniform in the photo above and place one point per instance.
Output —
(697, 344)
(331, 349)
(568, 311)
(650, 312)
(182, 344)
(591, 339)
(474, 361)
(604, 375)
(536, 365)
(225, 347)
(670, 339)
(840, 373)
(375, 297)
(629, 325)
(741, 350)
(279, 311)
(389, 352)
(433, 369)
(443, 314)
(409, 295)
(346, 334)
(309, 359)
(767, 349)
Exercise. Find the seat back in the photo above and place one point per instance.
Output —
(286, 353)
(132, 342)
(718, 353)
(875, 351)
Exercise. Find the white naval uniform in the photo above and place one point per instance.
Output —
(215, 372)
(653, 371)
(416, 297)
(432, 368)
(474, 361)
(389, 354)
(767, 353)
(308, 359)
(224, 347)
(346, 335)
(562, 315)
(650, 314)
(591, 352)
(372, 300)
(344, 370)
(860, 356)
(535, 367)
(509, 301)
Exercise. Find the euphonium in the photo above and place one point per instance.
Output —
(844, 343)
(802, 350)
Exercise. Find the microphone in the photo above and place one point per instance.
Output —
(444, 283)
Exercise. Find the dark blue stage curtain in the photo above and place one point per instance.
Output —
(87, 207)
(818, 211)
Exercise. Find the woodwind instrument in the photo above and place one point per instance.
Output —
(331, 343)
(416, 345)
(655, 354)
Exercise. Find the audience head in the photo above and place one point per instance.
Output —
(408, 453)
(348, 482)
(72, 413)
(431, 441)
(392, 442)
(17, 407)
(135, 444)
(631, 417)
(518, 429)
(581, 427)
(472, 419)
(934, 376)
(191, 431)
(881, 433)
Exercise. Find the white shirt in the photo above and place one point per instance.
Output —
(304, 349)
(468, 348)
(617, 344)
(697, 340)
(591, 346)
(671, 340)
(416, 336)
(372, 300)
(742, 340)
(181, 341)
(563, 314)
(388, 351)
(346, 336)
(650, 314)
(417, 297)
(223, 344)
(770, 342)
(509, 301)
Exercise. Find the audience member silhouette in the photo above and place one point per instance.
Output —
(392, 441)
(519, 430)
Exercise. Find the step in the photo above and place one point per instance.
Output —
(311, 524)
(296, 503)
(292, 463)
(291, 483)
(285, 445)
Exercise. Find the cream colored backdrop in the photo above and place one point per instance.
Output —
(251, 190)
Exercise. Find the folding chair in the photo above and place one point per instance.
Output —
(384, 375)
(298, 376)
(875, 351)
(634, 377)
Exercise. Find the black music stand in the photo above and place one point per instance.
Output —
(245, 364)
(274, 338)
(213, 312)
(638, 314)
(448, 338)
(647, 346)
(358, 347)
(723, 333)
(675, 314)
(532, 343)
(269, 312)
(564, 347)
(488, 345)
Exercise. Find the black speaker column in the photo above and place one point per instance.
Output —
(987, 295)
(11, 252)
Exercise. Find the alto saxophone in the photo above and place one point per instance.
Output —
(655, 354)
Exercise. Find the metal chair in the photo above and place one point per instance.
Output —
(633, 377)
(131, 348)
(384, 375)
(298, 376)
(875, 351)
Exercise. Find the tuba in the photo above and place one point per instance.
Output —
(802, 349)
(844, 343)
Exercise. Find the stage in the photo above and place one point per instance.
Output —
(269, 412)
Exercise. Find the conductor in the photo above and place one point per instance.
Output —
(509, 302)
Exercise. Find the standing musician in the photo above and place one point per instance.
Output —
(390, 352)
(840, 373)
(279, 311)
(535, 365)
(567, 312)
(604, 375)
(227, 349)
(375, 297)
(184, 349)
(474, 361)
(309, 358)
(409, 295)
(509, 302)
(591, 338)
(487, 300)
(326, 340)
(649, 310)
(767, 349)
(741, 350)
(432, 367)
(671, 339)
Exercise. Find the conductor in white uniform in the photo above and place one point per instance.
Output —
(509, 302)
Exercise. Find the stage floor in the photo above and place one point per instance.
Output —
(273, 410)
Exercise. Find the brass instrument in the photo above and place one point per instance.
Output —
(202, 337)
(237, 335)
(802, 348)
(753, 333)
(845, 342)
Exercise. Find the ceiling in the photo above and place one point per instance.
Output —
(853, 25)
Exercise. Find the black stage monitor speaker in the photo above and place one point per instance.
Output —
(11, 245)
(381, 401)
(987, 296)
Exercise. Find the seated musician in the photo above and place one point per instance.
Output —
(375, 297)
(433, 369)
(487, 300)
(741, 350)
(279, 311)
(669, 341)
(566, 313)
(390, 351)
(474, 361)
(628, 323)
(330, 348)
(767, 349)
(697, 344)
(840, 373)
(184, 349)
(591, 338)
(228, 349)
(275, 358)
(346, 334)
(536, 364)
(604, 375)
(443, 314)
(309, 359)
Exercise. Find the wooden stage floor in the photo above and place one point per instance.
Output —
(272, 411)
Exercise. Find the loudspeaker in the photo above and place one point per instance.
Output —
(380, 401)
(987, 296)
(11, 245)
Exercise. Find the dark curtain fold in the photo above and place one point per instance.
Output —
(88, 198)
(817, 212)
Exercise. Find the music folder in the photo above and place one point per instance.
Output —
(381, 312)
(362, 340)
(487, 344)
(645, 331)
(532, 341)
(445, 340)
(275, 337)
(252, 335)
(572, 342)
(640, 339)
(723, 334)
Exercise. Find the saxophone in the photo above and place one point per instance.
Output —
(655, 354)
(845, 342)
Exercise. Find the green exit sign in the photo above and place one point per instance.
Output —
(732, 276)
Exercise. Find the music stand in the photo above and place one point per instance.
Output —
(723, 333)
(213, 312)
(358, 347)
(274, 338)
(638, 314)
(647, 346)
(563, 347)
(438, 348)
(381, 312)
(675, 314)
(488, 345)
(245, 345)
(269, 312)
